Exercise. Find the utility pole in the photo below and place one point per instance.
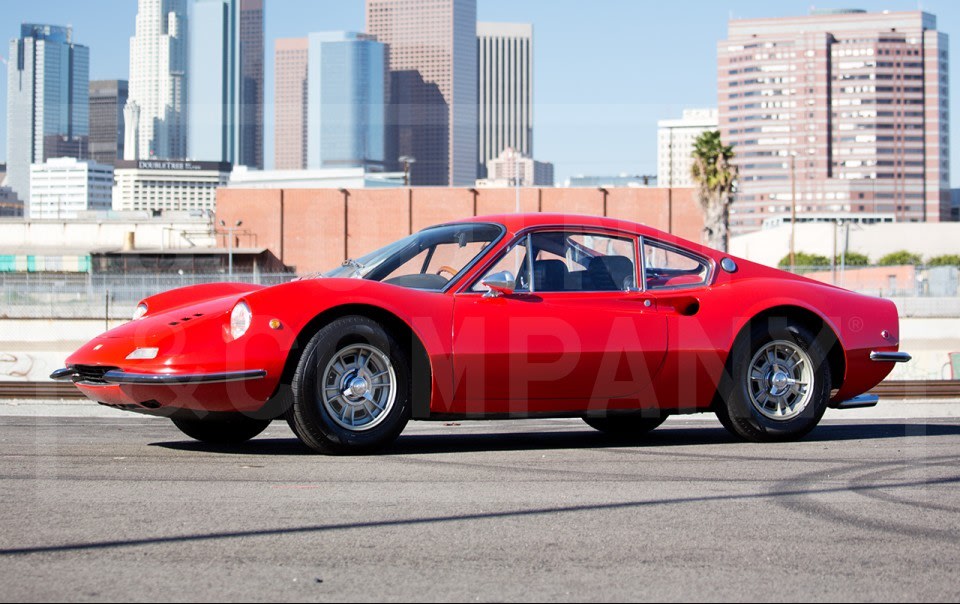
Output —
(793, 211)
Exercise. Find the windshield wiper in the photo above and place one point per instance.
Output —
(356, 266)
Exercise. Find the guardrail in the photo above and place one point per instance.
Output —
(895, 389)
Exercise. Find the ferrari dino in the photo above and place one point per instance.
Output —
(514, 316)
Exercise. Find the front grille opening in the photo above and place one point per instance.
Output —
(91, 373)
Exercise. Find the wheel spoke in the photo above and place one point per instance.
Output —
(366, 361)
(373, 401)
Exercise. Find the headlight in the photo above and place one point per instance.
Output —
(140, 311)
(240, 320)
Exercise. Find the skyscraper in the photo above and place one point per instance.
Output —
(158, 58)
(251, 83)
(675, 139)
(345, 101)
(225, 81)
(505, 112)
(290, 103)
(433, 85)
(107, 99)
(848, 108)
(47, 101)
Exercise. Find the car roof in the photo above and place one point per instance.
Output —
(518, 222)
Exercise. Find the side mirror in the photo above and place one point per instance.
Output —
(499, 284)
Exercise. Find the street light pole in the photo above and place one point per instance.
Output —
(406, 160)
(230, 231)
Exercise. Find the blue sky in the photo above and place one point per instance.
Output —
(605, 70)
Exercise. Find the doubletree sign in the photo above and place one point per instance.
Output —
(178, 165)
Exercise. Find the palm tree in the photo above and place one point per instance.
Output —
(716, 179)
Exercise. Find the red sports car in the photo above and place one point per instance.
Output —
(515, 316)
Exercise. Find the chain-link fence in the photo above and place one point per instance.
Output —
(91, 296)
(889, 281)
(918, 290)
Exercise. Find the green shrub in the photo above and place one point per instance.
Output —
(900, 257)
(854, 259)
(944, 260)
(803, 259)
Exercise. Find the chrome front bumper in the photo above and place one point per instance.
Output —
(118, 376)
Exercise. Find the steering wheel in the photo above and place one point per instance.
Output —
(447, 269)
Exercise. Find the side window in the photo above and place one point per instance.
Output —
(583, 262)
(568, 261)
(667, 267)
(513, 265)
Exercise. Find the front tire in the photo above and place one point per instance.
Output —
(222, 429)
(778, 385)
(352, 388)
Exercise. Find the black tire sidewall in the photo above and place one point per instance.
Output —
(222, 429)
(627, 425)
(309, 417)
(745, 419)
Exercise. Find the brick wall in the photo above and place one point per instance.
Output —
(306, 228)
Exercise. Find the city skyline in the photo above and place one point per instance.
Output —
(597, 100)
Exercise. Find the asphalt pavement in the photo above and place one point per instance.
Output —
(126, 508)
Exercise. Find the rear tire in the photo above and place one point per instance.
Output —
(223, 429)
(625, 425)
(778, 383)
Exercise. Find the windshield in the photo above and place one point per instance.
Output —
(426, 260)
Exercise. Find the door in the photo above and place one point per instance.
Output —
(575, 334)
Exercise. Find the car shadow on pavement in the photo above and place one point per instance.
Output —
(667, 436)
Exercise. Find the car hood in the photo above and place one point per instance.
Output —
(156, 326)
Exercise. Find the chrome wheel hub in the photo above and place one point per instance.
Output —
(358, 387)
(780, 380)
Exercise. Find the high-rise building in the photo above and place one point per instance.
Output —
(159, 185)
(107, 99)
(433, 86)
(157, 91)
(505, 90)
(675, 139)
(252, 56)
(10, 204)
(345, 101)
(47, 101)
(290, 103)
(225, 81)
(510, 165)
(63, 187)
(848, 108)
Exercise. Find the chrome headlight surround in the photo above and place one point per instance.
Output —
(240, 319)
